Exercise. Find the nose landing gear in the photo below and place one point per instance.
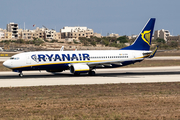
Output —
(20, 74)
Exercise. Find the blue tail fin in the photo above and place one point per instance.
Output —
(143, 41)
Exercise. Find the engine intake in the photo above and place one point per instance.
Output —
(79, 68)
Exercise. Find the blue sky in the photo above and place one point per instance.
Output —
(125, 17)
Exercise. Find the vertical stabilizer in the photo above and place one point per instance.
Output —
(143, 40)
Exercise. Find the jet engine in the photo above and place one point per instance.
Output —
(79, 68)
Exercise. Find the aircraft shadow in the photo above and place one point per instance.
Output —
(61, 75)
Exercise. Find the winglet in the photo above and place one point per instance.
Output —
(143, 41)
(153, 53)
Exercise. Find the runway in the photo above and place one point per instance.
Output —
(164, 58)
(103, 76)
(2, 59)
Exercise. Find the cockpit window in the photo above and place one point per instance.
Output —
(14, 58)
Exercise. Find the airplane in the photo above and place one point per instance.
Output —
(85, 61)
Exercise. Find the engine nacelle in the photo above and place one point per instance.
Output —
(79, 68)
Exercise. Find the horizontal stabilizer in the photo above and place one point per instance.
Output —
(154, 52)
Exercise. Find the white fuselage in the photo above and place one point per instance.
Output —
(47, 58)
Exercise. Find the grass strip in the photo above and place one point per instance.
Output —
(109, 101)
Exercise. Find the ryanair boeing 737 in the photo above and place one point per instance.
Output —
(85, 61)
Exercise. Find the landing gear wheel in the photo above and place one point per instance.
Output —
(20, 74)
(76, 74)
(92, 73)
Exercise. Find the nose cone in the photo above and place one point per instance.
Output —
(7, 64)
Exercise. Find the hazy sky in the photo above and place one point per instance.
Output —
(124, 17)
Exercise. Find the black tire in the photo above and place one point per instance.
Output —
(92, 73)
(20, 75)
(76, 74)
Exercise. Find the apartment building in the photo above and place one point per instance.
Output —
(113, 35)
(163, 34)
(132, 37)
(42, 33)
(26, 35)
(13, 28)
(174, 39)
(30, 34)
(1, 35)
(97, 35)
(38, 33)
(50, 34)
(7, 35)
(76, 32)
(13, 32)
(57, 36)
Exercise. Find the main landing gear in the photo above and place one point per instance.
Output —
(76, 74)
(92, 73)
(20, 74)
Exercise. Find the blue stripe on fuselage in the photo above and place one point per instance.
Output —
(66, 67)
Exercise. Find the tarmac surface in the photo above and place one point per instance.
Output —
(103, 76)
(4, 59)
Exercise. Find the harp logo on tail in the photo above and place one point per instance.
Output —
(146, 36)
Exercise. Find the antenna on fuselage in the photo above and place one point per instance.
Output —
(62, 48)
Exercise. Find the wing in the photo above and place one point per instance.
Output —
(106, 63)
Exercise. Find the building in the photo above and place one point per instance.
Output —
(7, 35)
(163, 34)
(57, 36)
(173, 39)
(13, 28)
(76, 32)
(114, 35)
(31, 34)
(50, 34)
(42, 33)
(97, 35)
(26, 35)
(13, 32)
(132, 37)
(38, 33)
(1, 35)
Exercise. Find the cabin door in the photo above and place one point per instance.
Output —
(28, 60)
